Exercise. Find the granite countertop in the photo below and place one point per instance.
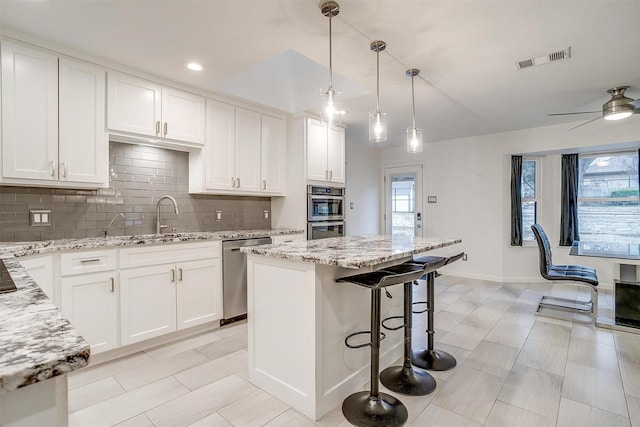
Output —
(352, 251)
(36, 341)
(19, 249)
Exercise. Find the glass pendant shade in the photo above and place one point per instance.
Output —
(331, 111)
(414, 134)
(377, 127)
(378, 120)
(414, 140)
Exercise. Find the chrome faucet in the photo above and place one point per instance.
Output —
(106, 230)
(175, 208)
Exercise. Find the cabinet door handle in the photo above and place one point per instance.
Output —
(158, 128)
(64, 169)
(113, 285)
(238, 179)
(166, 127)
(87, 261)
(330, 175)
(233, 182)
(264, 184)
(53, 168)
(173, 275)
(180, 275)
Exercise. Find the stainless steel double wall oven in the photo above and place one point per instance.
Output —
(325, 212)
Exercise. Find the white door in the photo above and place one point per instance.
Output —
(336, 154)
(248, 129)
(199, 297)
(316, 150)
(220, 146)
(273, 156)
(90, 302)
(29, 113)
(183, 116)
(403, 200)
(133, 105)
(147, 302)
(83, 141)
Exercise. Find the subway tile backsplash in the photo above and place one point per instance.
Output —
(139, 176)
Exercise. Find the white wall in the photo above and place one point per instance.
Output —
(470, 177)
(363, 178)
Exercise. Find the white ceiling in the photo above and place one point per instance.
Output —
(465, 50)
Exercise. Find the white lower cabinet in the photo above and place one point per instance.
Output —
(158, 299)
(90, 302)
(40, 268)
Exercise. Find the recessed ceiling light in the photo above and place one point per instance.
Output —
(194, 66)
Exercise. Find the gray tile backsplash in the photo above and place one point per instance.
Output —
(139, 176)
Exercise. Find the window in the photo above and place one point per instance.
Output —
(608, 199)
(530, 196)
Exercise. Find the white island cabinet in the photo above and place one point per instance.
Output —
(298, 316)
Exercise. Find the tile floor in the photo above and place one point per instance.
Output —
(514, 369)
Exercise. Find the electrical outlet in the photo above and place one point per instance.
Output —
(39, 217)
(464, 257)
(266, 214)
(432, 199)
(218, 215)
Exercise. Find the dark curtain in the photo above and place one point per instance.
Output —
(516, 200)
(569, 202)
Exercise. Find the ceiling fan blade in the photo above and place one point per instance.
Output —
(568, 114)
(586, 123)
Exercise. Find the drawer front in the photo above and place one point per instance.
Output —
(83, 262)
(167, 253)
(288, 238)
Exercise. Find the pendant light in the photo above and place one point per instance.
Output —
(378, 120)
(330, 110)
(414, 134)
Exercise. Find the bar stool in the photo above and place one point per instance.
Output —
(372, 408)
(406, 379)
(431, 358)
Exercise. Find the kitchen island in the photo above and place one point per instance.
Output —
(298, 316)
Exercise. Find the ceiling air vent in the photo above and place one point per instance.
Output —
(544, 59)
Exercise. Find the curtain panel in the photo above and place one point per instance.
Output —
(569, 202)
(516, 200)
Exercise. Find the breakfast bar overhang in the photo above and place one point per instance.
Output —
(298, 316)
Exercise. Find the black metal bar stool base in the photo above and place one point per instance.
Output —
(363, 410)
(435, 360)
(409, 381)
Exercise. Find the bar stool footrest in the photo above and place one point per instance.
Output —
(368, 344)
(421, 311)
(389, 328)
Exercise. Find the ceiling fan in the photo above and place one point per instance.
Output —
(617, 108)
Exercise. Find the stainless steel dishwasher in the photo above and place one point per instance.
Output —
(234, 278)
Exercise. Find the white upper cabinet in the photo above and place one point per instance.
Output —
(53, 120)
(247, 150)
(29, 113)
(244, 153)
(273, 155)
(146, 108)
(83, 150)
(134, 105)
(325, 152)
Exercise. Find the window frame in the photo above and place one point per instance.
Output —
(580, 199)
(537, 199)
